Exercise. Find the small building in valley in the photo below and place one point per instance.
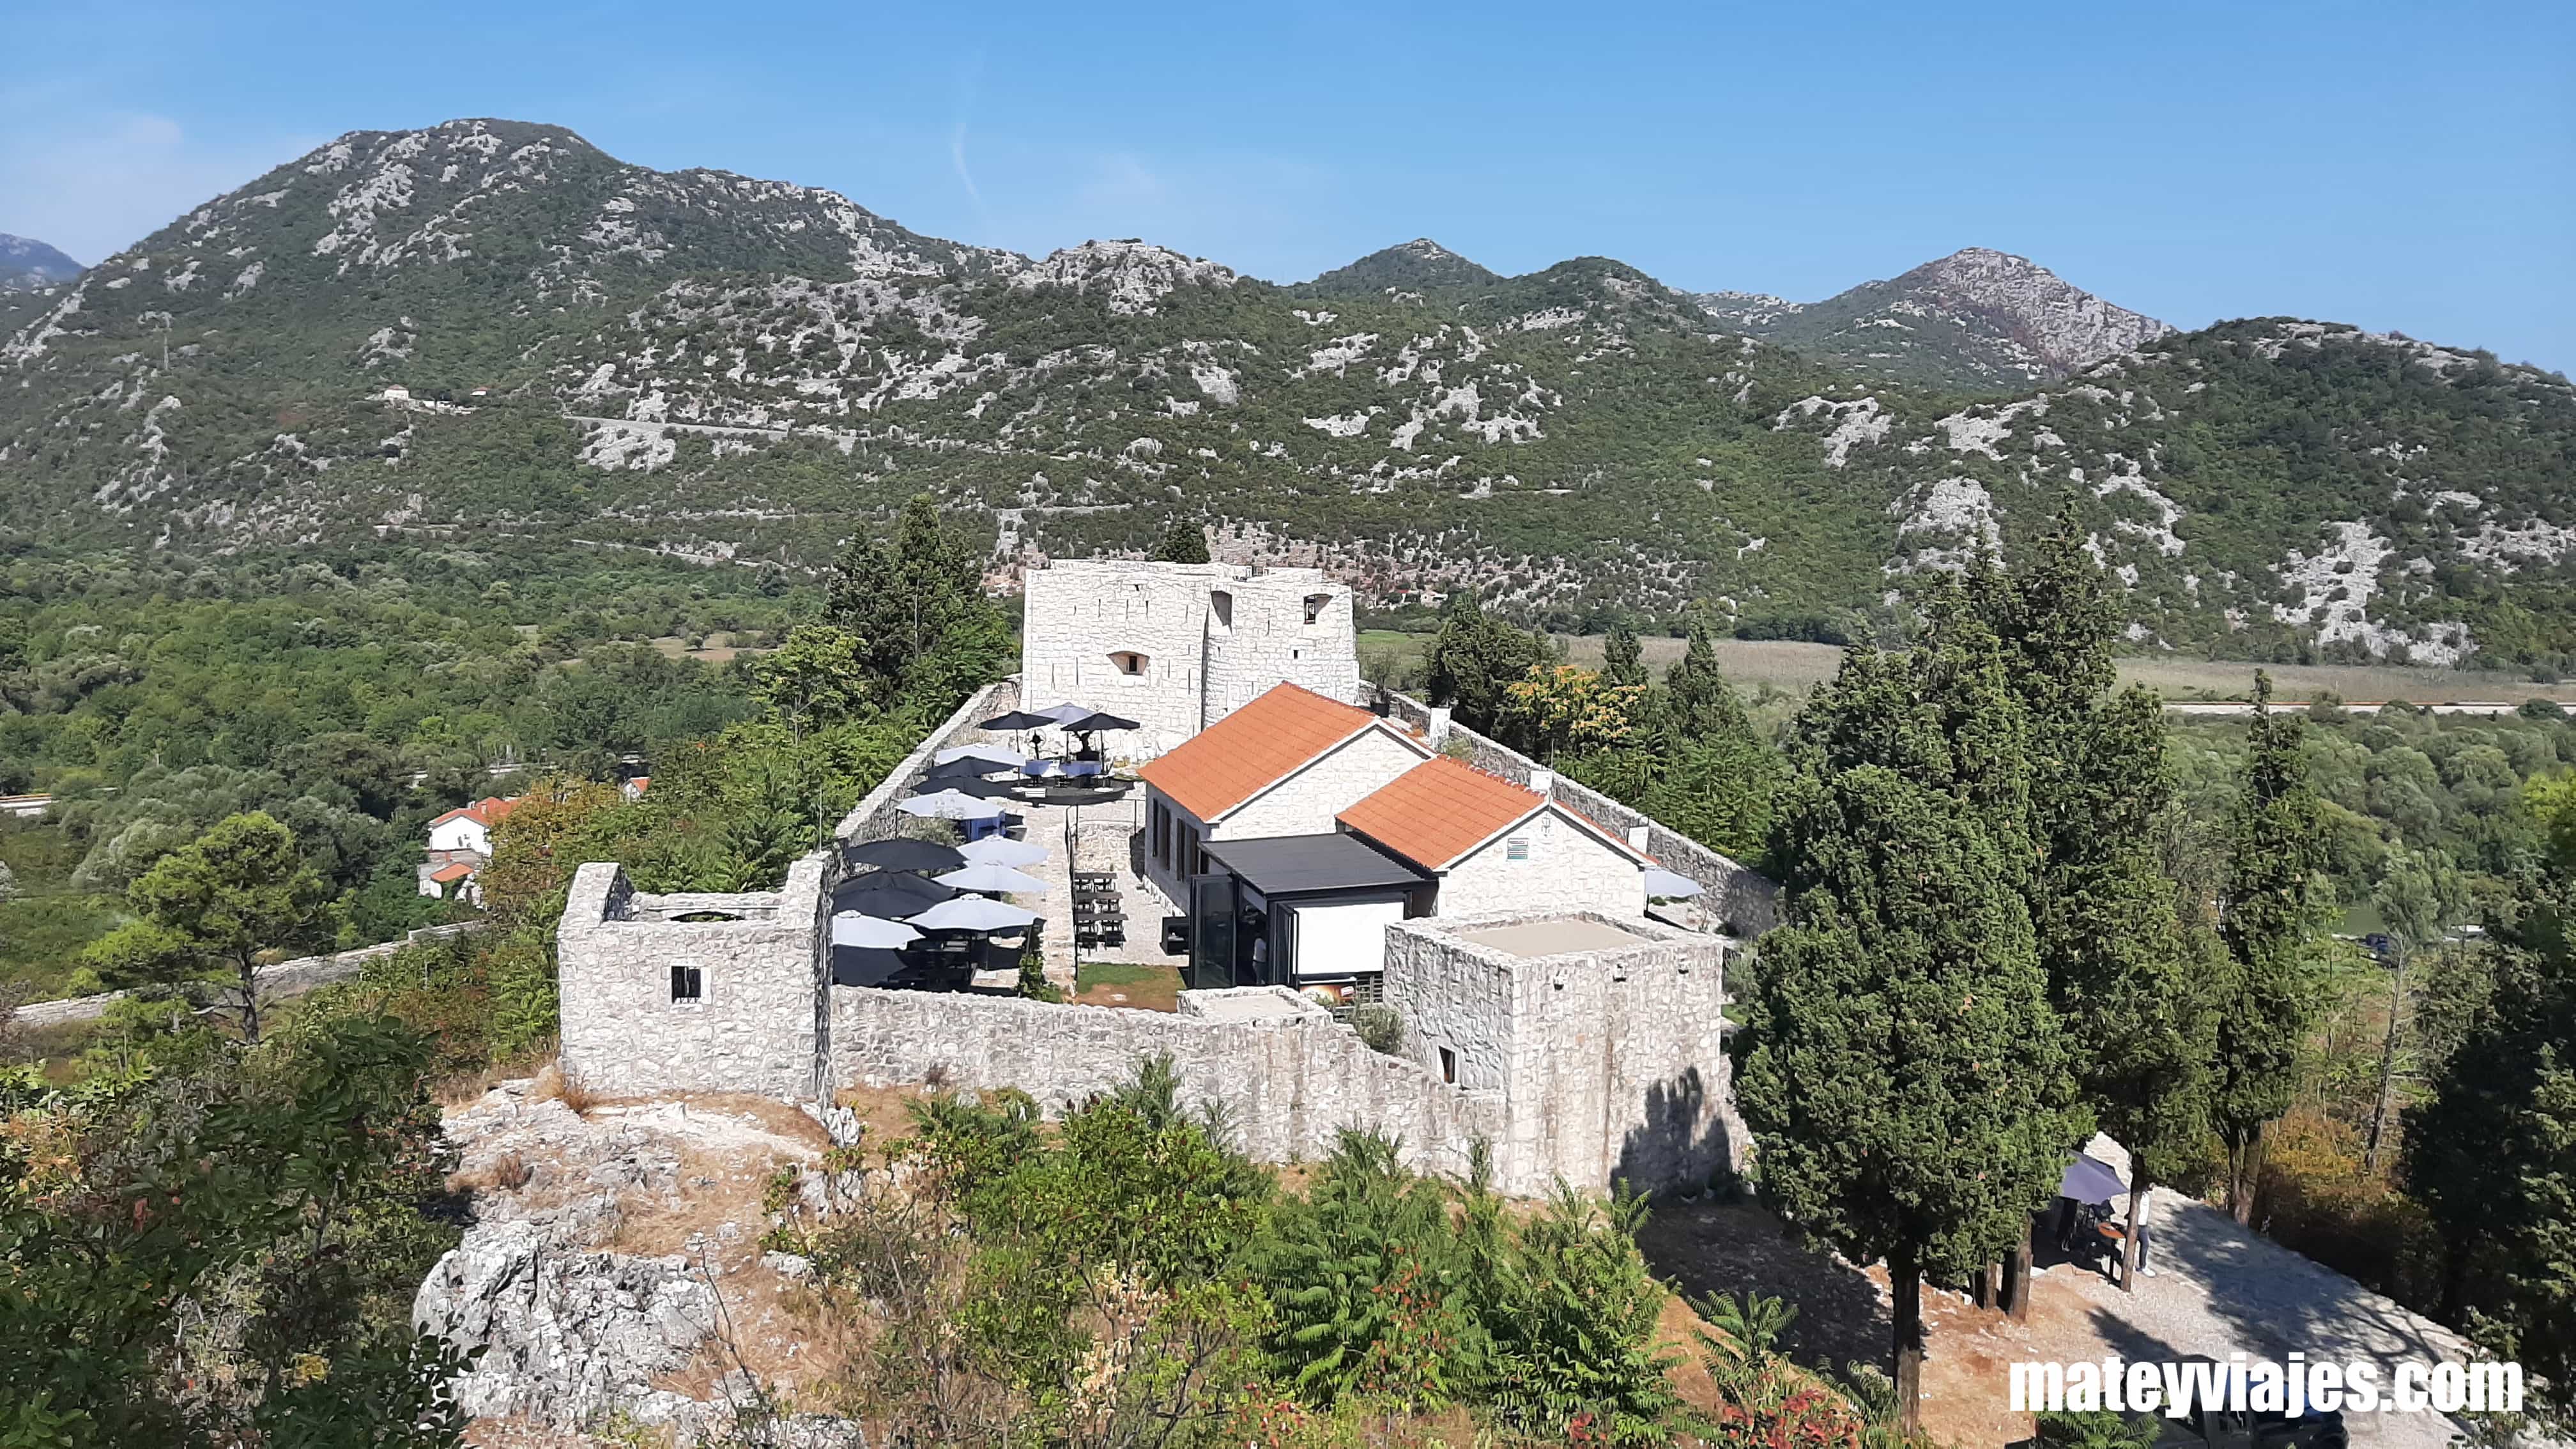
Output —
(460, 845)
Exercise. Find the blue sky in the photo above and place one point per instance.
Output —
(2396, 165)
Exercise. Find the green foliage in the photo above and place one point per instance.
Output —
(213, 906)
(1381, 1028)
(1575, 1322)
(1475, 658)
(915, 608)
(280, 1190)
(2273, 917)
(2100, 1429)
(818, 677)
(1182, 542)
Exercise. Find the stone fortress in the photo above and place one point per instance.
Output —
(1177, 647)
(1582, 1045)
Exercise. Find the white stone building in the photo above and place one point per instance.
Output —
(1178, 647)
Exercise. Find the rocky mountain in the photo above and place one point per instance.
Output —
(1419, 266)
(492, 327)
(1974, 321)
(26, 264)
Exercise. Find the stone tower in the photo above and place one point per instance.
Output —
(1177, 647)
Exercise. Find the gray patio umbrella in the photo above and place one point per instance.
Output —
(951, 805)
(849, 928)
(901, 852)
(973, 913)
(977, 789)
(1091, 724)
(1663, 885)
(891, 895)
(1002, 850)
(1002, 756)
(2089, 1179)
(968, 768)
(992, 879)
(1062, 715)
(1018, 720)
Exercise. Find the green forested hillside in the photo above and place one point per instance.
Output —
(723, 368)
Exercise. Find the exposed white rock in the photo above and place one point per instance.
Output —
(1134, 276)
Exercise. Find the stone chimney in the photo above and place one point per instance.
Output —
(1542, 782)
(1637, 838)
(1437, 731)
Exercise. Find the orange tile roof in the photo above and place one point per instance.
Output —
(445, 875)
(485, 812)
(1252, 749)
(1438, 811)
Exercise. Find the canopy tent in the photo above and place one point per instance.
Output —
(973, 913)
(904, 853)
(951, 805)
(890, 895)
(992, 879)
(849, 928)
(1663, 885)
(2089, 1179)
(1003, 757)
(1002, 850)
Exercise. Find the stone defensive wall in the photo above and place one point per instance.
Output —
(1740, 897)
(1287, 1076)
(286, 978)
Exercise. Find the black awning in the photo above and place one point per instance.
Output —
(1288, 865)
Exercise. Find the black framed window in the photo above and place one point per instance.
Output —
(688, 983)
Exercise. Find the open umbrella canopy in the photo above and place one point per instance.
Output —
(890, 895)
(968, 768)
(1017, 720)
(950, 805)
(2089, 1179)
(973, 913)
(978, 789)
(1003, 757)
(1002, 850)
(1061, 715)
(1663, 885)
(992, 879)
(903, 853)
(1094, 723)
(849, 928)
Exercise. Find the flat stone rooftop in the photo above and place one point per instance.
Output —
(1560, 937)
(1246, 1003)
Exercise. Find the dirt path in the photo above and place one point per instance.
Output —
(2218, 1289)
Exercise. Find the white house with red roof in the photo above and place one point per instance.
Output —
(460, 845)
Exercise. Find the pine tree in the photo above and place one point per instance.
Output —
(1901, 1069)
(917, 601)
(2273, 915)
(1182, 542)
(1475, 658)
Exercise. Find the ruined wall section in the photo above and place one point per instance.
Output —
(1290, 1080)
(1270, 640)
(758, 963)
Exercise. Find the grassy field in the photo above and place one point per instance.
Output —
(1795, 668)
(45, 922)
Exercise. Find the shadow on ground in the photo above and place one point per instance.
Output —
(1711, 1247)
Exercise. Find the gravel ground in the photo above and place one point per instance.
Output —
(2217, 1289)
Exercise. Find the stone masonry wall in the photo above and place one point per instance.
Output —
(1611, 1064)
(1270, 641)
(1736, 894)
(1081, 611)
(754, 1029)
(1289, 1082)
(286, 978)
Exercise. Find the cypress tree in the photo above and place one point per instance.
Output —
(1474, 656)
(2273, 914)
(1901, 1069)
(2136, 991)
(1623, 659)
(912, 597)
(2491, 1154)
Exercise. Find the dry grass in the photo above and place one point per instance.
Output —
(554, 1084)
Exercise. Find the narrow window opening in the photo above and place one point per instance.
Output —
(688, 983)
(1221, 607)
(1448, 1066)
(1129, 661)
(1316, 604)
